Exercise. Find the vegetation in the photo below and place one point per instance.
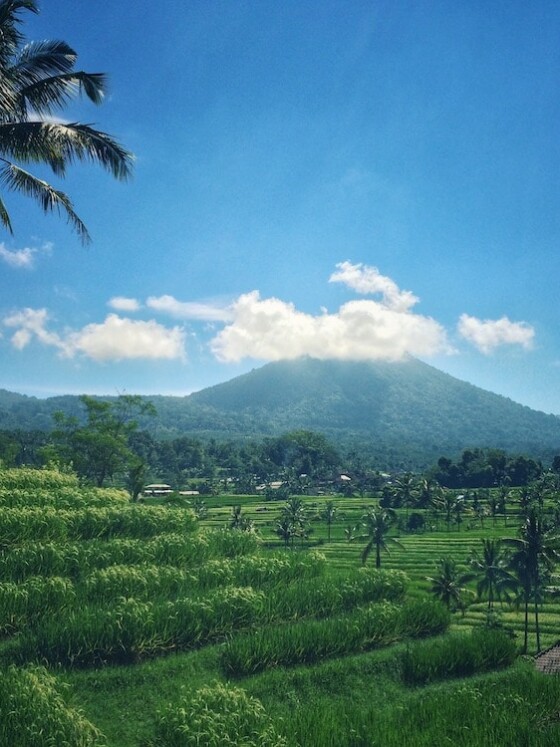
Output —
(214, 716)
(37, 80)
(457, 656)
(373, 416)
(122, 583)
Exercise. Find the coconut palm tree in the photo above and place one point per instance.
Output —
(37, 80)
(534, 554)
(405, 492)
(448, 585)
(445, 502)
(240, 522)
(491, 572)
(376, 524)
(328, 514)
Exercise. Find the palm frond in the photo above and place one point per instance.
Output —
(58, 144)
(367, 551)
(5, 217)
(44, 58)
(48, 94)
(10, 35)
(49, 198)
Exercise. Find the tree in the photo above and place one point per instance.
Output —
(36, 80)
(99, 449)
(293, 521)
(328, 514)
(446, 502)
(405, 492)
(376, 524)
(491, 572)
(448, 585)
(285, 530)
(459, 508)
(239, 522)
(534, 554)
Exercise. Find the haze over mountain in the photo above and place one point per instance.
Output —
(406, 413)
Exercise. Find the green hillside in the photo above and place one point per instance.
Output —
(390, 403)
(393, 409)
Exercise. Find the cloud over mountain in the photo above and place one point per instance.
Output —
(271, 329)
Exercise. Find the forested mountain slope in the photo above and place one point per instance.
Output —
(407, 407)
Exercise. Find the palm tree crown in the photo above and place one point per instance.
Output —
(38, 79)
(493, 577)
(448, 585)
(376, 524)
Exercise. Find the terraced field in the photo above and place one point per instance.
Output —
(142, 626)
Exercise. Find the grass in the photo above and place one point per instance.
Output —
(216, 593)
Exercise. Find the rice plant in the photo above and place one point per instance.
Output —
(24, 604)
(34, 712)
(130, 629)
(310, 641)
(63, 497)
(214, 716)
(458, 655)
(26, 478)
(18, 525)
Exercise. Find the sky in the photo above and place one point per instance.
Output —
(353, 180)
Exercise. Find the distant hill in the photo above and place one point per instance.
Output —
(407, 413)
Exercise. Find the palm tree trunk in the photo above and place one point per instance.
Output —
(526, 631)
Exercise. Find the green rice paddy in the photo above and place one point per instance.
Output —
(137, 626)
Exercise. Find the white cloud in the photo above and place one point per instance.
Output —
(23, 259)
(32, 323)
(114, 339)
(18, 258)
(488, 334)
(121, 303)
(366, 280)
(119, 339)
(189, 309)
(272, 329)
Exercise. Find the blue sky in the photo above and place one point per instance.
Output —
(360, 180)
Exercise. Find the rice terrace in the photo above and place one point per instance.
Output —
(128, 624)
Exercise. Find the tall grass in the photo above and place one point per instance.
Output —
(151, 581)
(19, 525)
(63, 497)
(517, 710)
(35, 713)
(308, 642)
(458, 655)
(77, 559)
(334, 593)
(26, 478)
(215, 716)
(24, 604)
(131, 629)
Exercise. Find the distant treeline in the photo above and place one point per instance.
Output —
(485, 468)
(299, 457)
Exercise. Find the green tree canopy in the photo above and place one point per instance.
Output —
(37, 80)
(100, 448)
